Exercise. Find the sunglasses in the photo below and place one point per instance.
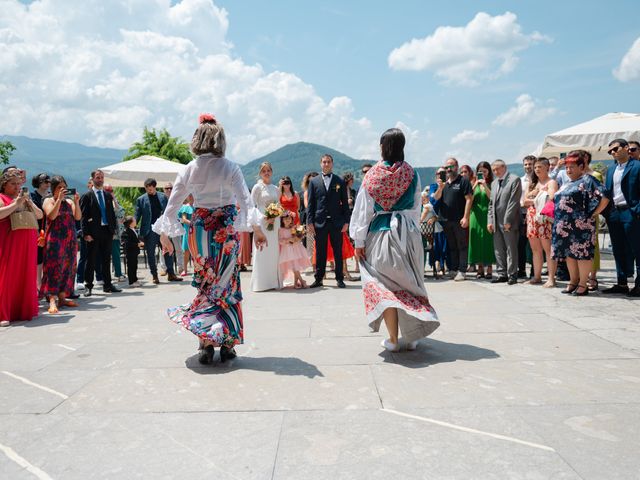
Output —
(633, 149)
(614, 150)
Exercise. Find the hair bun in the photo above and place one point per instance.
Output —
(206, 118)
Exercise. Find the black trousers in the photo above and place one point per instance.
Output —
(624, 230)
(132, 267)
(323, 235)
(99, 249)
(457, 244)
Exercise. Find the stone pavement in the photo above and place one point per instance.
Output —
(519, 382)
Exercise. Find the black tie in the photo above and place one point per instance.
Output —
(500, 183)
(326, 174)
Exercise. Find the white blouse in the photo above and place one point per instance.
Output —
(263, 195)
(363, 213)
(214, 182)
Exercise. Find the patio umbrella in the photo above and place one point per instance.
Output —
(133, 173)
(593, 136)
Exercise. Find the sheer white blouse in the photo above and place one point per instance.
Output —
(214, 182)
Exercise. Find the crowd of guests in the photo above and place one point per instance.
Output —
(61, 242)
(474, 219)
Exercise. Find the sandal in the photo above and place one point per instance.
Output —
(68, 303)
(549, 284)
(488, 276)
(592, 285)
(569, 290)
(534, 281)
(53, 310)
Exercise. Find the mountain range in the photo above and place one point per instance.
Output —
(75, 161)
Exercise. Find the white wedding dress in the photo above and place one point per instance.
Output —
(265, 275)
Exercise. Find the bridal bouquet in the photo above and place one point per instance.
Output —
(299, 231)
(273, 210)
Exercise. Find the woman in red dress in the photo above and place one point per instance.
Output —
(18, 254)
(289, 199)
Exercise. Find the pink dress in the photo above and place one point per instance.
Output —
(293, 256)
(18, 270)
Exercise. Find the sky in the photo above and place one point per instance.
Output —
(477, 80)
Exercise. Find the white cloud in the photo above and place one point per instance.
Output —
(629, 68)
(469, 135)
(526, 110)
(483, 49)
(96, 72)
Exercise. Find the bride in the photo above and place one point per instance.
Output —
(265, 275)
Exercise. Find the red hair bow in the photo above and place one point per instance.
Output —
(206, 118)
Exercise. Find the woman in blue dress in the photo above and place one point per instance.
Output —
(576, 208)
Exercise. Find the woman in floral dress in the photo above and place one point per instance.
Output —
(577, 205)
(384, 226)
(61, 246)
(222, 208)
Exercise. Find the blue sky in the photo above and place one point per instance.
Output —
(492, 85)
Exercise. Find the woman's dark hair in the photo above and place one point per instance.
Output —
(39, 179)
(347, 177)
(286, 214)
(56, 180)
(392, 142)
(307, 178)
(287, 181)
(534, 178)
(489, 177)
(128, 220)
(579, 157)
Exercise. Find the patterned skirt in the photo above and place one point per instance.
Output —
(215, 314)
(392, 277)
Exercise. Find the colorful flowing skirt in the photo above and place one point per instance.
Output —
(215, 314)
(392, 277)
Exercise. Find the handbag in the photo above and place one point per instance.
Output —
(548, 210)
(24, 220)
(426, 230)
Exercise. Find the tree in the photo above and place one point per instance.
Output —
(6, 149)
(159, 144)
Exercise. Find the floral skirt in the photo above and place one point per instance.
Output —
(215, 314)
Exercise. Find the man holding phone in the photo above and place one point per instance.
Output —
(456, 197)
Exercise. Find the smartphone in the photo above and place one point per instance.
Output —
(480, 176)
(25, 191)
(71, 192)
(443, 176)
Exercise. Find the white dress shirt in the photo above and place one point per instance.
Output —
(214, 182)
(327, 180)
(618, 197)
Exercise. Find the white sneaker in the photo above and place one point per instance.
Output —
(135, 285)
(99, 282)
(411, 346)
(122, 278)
(391, 347)
(5, 323)
(79, 286)
(459, 277)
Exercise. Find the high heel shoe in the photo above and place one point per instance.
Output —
(206, 356)
(227, 354)
(569, 289)
(583, 293)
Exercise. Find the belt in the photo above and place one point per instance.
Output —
(621, 207)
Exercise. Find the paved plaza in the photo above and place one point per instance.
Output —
(518, 382)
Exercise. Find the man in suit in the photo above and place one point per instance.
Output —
(149, 207)
(98, 227)
(623, 218)
(327, 218)
(504, 221)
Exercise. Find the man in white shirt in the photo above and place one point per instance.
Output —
(525, 180)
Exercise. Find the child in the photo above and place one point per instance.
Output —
(293, 255)
(131, 246)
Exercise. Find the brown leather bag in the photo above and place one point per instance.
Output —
(24, 220)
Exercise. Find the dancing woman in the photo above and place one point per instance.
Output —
(385, 228)
(218, 189)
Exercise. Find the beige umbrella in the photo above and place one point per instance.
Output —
(133, 173)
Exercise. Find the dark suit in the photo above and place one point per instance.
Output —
(100, 246)
(624, 221)
(151, 239)
(328, 212)
(130, 242)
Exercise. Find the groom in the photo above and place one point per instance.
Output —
(327, 214)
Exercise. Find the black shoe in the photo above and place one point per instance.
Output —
(227, 354)
(512, 281)
(340, 284)
(617, 289)
(174, 278)
(634, 292)
(316, 284)
(206, 356)
(499, 280)
(570, 289)
(156, 280)
(87, 292)
(112, 289)
(522, 274)
(583, 293)
(73, 296)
